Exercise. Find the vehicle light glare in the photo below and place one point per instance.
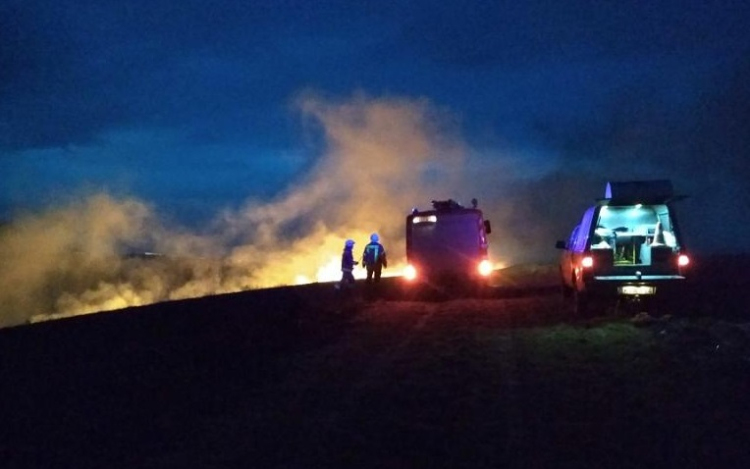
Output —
(410, 273)
(587, 262)
(424, 219)
(683, 260)
(485, 268)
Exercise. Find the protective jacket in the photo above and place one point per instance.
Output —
(347, 260)
(374, 255)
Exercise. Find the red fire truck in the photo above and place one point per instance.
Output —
(447, 245)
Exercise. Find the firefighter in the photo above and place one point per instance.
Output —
(374, 259)
(347, 265)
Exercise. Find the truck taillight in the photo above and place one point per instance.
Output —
(587, 262)
(485, 268)
(410, 273)
(683, 260)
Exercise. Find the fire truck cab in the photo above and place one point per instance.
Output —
(447, 245)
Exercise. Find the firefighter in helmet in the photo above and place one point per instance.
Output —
(374, 259)
(347, 265)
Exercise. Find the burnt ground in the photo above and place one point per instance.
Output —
(300, 377)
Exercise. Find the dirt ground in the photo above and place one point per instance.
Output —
(302, 378)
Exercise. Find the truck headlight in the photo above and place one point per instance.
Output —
(485, 268)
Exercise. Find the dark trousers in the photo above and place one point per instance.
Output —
(347, 279)
(373, 272)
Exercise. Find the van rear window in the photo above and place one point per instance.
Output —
(652, 222)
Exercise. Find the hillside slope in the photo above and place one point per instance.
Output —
(299, 377)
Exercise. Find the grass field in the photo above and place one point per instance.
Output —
(299, 377)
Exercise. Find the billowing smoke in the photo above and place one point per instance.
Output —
(381, 158)
(45, 258)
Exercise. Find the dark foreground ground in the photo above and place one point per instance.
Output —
(298, 378)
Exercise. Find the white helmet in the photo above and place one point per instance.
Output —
(349, 243)
(374, 238)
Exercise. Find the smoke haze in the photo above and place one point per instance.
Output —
(374, 159)
(381, 157)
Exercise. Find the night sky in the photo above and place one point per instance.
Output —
(243, 125)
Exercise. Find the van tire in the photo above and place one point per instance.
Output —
(581, 307)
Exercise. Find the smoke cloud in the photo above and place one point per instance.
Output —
(381, 157)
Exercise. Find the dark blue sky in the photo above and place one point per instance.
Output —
(197, 107)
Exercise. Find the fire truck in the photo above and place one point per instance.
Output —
(447, 245)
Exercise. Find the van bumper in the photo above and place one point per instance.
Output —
(632, 286)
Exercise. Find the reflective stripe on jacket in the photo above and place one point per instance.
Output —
(374, 254)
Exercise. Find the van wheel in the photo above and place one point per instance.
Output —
(580, 304)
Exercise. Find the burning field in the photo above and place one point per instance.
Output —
(301, 377)
(93, 251)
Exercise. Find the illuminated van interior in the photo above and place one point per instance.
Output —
(635, 233)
